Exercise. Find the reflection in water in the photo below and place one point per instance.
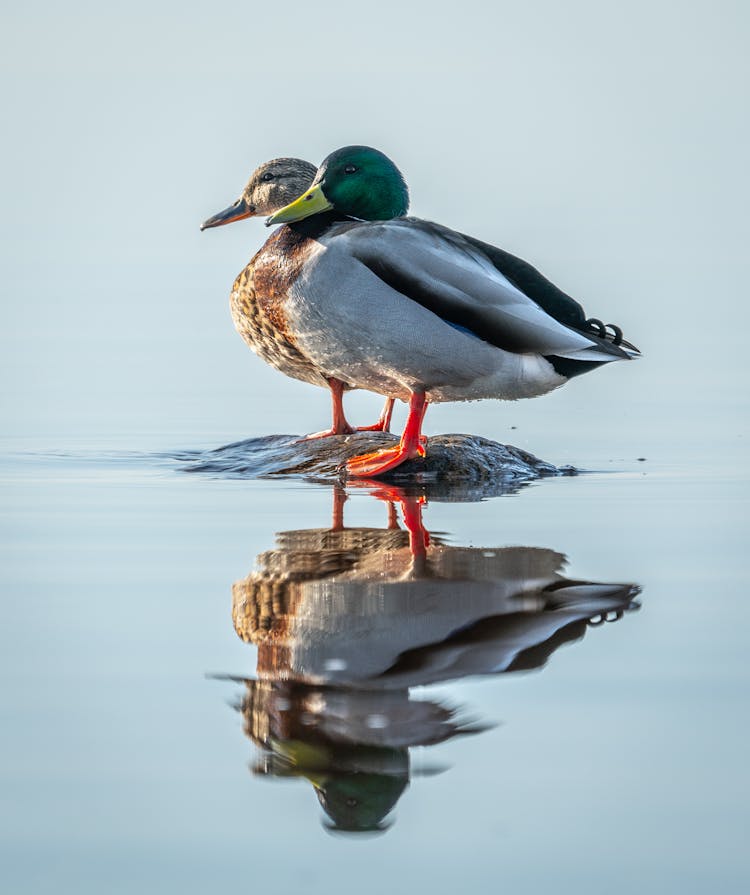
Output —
(347, 620)
(352, 745)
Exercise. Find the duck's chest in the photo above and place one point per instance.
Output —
(257, 306)
(277, 267)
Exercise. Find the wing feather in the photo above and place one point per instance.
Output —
(455, 279)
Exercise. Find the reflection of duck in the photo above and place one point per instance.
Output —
(350, 607)
(352, 745)
(271, 186)
(346, 621)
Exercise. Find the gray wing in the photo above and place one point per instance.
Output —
(444, 272)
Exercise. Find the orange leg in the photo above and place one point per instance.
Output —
(339, 424)
(411, 508)
(392, 516)
(412, 444)
(339, 499)
(384, 420)
(419, 537)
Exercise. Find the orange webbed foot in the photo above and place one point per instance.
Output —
(375, 427)
(378, 462)
(384, 421)
(412, 444)
(327, 433)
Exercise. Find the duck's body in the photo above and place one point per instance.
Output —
(417, 307)
(255, 312)
(414, 310)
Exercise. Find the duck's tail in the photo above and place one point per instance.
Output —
(612, 334)
(607, 345)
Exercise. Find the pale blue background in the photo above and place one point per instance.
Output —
(607, 144)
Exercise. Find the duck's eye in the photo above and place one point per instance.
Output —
(350, 169)
(267, 176)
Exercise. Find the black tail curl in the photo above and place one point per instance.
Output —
(610, 332)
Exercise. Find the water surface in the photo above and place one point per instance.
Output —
(465, 697)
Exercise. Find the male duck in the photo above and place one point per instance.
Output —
(412, 310)
(272, 186)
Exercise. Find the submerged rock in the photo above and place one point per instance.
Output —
(466, 460)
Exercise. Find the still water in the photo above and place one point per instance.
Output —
(223, 685)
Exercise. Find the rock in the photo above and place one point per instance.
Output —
(476, 466)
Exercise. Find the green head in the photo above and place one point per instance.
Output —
(357, 181)
(359, 802)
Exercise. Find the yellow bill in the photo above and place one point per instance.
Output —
(311, 202)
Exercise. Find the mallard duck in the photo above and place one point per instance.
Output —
(413, 310)
(272, 186)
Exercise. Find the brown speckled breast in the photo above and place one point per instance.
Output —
(257, 308)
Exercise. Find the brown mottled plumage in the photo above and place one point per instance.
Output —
(261, 322)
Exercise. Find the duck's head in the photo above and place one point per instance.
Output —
(272, 186)
(357, 181)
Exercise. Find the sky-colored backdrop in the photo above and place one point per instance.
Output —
(605, 142)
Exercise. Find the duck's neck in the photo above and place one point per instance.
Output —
(315, 226)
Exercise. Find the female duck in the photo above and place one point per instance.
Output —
(272, 186)
(413, 310)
